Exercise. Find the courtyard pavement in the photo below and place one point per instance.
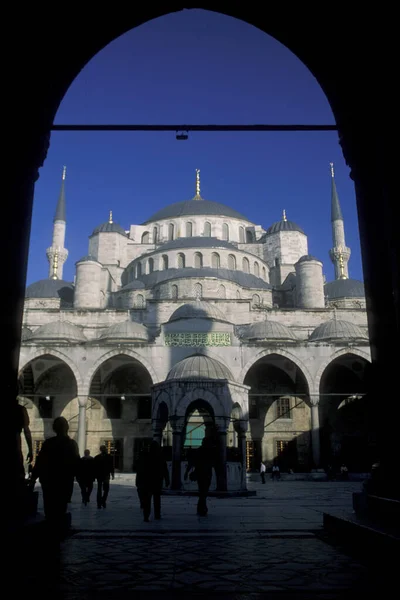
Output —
(265, 546)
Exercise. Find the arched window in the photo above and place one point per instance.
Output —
(256, 269)
(189, 229)
(238, 294)
(231, 262)
(139, 270)
(241, 235)
(145, 237)
(198, 291)
(249, 236)
(171, 231)
(174, 292)
(164, 263)
(207, 229)
(246, 265)
(151, 265)
(225, 231)
(181, 261)
(222, 291)
(256, 300)
(264, 273)
(215, 260)
(139, 301)
(198, 260)
(155, 235)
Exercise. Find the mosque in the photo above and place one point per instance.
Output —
(197, 320)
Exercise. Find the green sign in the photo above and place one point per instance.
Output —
(198, 339)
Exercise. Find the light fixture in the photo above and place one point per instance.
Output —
(122, 398)
(183, 135)
(48, 398)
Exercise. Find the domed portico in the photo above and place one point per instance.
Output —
(203, 386)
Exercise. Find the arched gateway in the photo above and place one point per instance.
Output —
(199, 398)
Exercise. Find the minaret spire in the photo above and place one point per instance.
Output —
(339, 254)
(57, 254)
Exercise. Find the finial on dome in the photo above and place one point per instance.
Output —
(284, 215)
(64, 173)
(110, 219)
(332, 171)
(198, 183)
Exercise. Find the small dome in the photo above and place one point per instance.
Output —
(108, 227)
(198, 310)
(268, 330)
(199, 367)
(87, 258)
(26, 333)
(344, 288)
(52, 288)
(337, 330)
(125, 331)
(307, 258)
(58, 330)
(284, 226)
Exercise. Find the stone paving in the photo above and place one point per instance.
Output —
(271, 545)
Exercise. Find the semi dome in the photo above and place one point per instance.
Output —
(125, 331)
(337, 330)
(108, 227)
(199, 367)
(58, 331)
(195, 208)
(268, 330)
(198, 310)
(52, 288)
(344, 288)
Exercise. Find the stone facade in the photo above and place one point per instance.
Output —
(239, 303)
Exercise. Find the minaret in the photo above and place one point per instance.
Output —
(57, 254)
(339, 254)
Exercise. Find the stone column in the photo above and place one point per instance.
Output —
(82, 401)
(315, 435)
(157, 431)
(242, 449)
(176, 480)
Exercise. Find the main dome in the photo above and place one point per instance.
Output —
(199, 367)
(195, 207)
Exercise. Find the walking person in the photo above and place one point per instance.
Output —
(200, 466)
(262, 472)
(152, 471)
(86, 476)
(103, 471)
(276, 472)
(56, 466)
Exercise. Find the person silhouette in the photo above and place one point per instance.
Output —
(151, 473)
(103, 470)
(200, 465)
(86, 476)
(56, 466)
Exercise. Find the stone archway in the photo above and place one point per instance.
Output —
(279, 412)
(343, 413)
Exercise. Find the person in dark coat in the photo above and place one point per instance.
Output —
(103, 470)
(86, 476)
(152, 471)
(56, 467)
(200, 464)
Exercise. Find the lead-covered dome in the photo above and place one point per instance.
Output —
(125, 332)
(196, 207)
(344, 288)
(199, 367)
(52, 288)
(58, 331)
(198, 310)
(108, 227)
(337, 330)
(284, 225)
(268, 330)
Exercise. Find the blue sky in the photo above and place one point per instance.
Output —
(193, 66)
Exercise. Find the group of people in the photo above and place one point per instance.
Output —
(59, 463)
(275, 473)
